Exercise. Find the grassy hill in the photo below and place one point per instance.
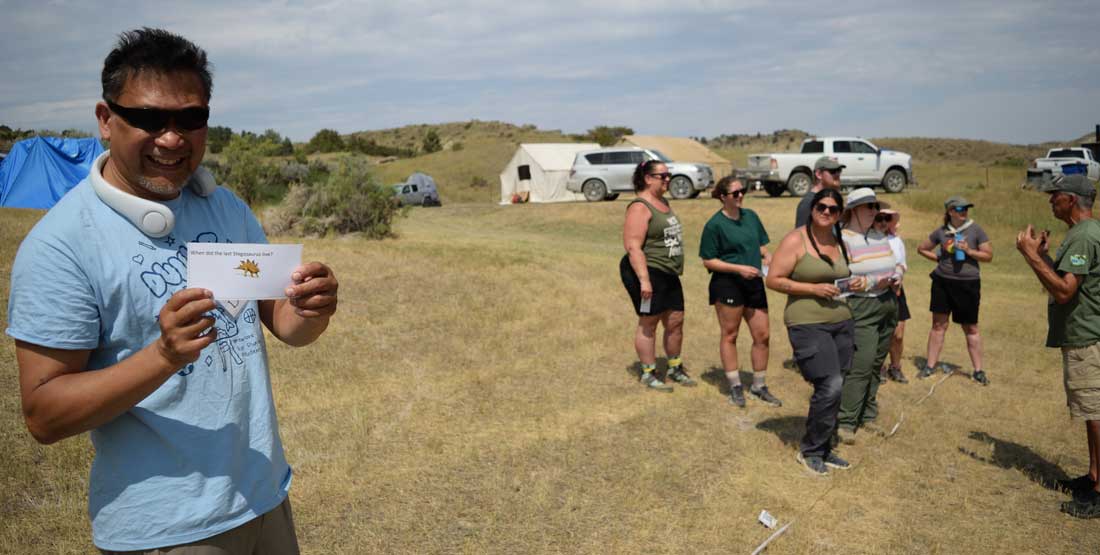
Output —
(471, 173)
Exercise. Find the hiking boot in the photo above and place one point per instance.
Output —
(679, 376)
(653, 382)
(1077, 486)
(814, 464)
(979, 376)
(833, 461)
(766, 396)
(847, 436)
(894, 373)
(926, 372)
(1085, 506)
(737, 396)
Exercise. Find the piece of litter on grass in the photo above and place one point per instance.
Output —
(772, 537)
(767, 519)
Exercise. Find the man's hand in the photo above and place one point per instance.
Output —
(313, 293)
(185, 330)
(1029, 245)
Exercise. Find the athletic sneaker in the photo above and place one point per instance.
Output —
(815, 464)
(653, 382)
(1085, 506)
(894, 373)
(766, 396)
(979, 376)
(833, 461)
(1076, 486)
(926, 372)
(737, 396)
(679, 376)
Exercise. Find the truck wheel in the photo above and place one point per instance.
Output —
(799, 184)
(773, 188)
(680, 187)
(594, 190)
(894, 181)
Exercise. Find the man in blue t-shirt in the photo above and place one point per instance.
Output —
(172, 385)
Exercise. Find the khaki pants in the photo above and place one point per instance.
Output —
(269, 534)
(1081, 377)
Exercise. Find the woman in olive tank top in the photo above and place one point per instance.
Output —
(806, 267)
(650, 271)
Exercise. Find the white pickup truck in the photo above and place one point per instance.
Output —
(1057, 159)
(866, 165)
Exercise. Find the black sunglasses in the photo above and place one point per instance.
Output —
(879, 218)
(661, 176)
(830, 209)
(834, 172)
(152, 120)
(736, 192)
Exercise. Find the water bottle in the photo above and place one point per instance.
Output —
(959, 254)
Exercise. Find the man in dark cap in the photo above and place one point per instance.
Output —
(826, 174)
(1072, 279)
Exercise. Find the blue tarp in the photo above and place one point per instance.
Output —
(40, 170)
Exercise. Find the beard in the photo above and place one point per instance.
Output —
(161, 189)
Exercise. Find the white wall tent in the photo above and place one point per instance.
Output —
(541, 170)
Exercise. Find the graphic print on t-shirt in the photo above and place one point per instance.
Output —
(674, 237)
(163, 278)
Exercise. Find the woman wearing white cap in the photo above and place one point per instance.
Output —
(956, 282)
(874, 309)
(888, 221)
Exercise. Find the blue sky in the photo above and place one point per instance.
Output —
(1018, 72)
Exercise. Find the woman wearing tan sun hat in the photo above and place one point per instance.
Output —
(874, 309)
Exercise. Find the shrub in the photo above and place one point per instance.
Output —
(326, 140)
(479, 182)
(350, 200)
(457, 146)
(432, 142)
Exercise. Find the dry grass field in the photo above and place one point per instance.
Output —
(476, 393)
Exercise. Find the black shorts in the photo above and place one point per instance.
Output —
(958, 297)
(734, 290)
(668, 294)
(903, 306)
(823, 350)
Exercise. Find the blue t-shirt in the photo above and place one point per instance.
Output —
(201, 454)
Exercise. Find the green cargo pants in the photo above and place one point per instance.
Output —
(875, 320)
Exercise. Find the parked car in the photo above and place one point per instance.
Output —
(866, 165)
(1069, 160)
(418, 190)
(603, 174)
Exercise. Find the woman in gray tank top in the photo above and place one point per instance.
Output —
(650, 272)
(806, 267)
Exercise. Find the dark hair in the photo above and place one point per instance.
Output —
(833, 194)
(640, 172)
(153, 50)
(724, 185)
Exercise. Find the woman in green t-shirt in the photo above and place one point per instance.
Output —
(733, 251)
(650, 271)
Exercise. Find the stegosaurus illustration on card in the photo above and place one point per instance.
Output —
(250, 268)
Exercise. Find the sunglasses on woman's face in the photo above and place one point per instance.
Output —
(879, 218)
(662, 176)
(152, 120)
(737, 193)
(961, 209)
(830, 209)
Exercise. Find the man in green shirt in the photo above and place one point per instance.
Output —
(1072, 279)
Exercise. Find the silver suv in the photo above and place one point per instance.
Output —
(602, 174)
